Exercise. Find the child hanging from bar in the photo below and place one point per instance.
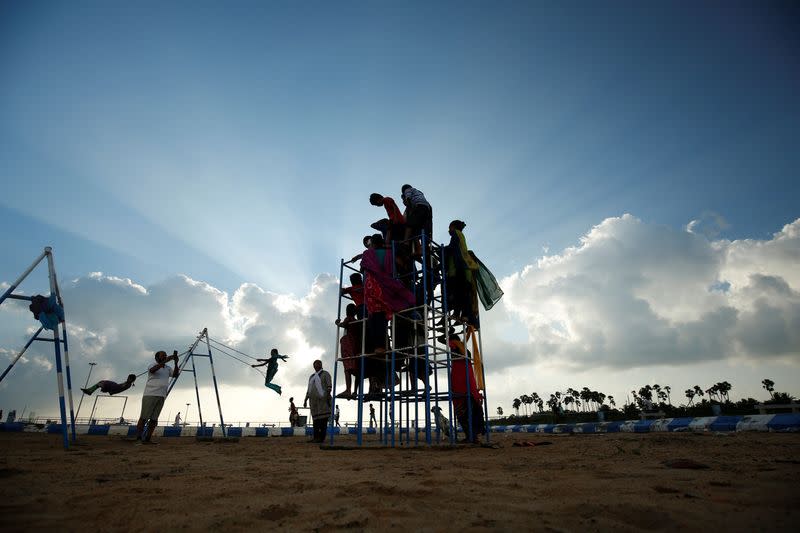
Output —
(272, 369)
(111, 387)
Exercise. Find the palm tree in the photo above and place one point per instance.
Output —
(540, 405)
(724, 388)
(713, 391)
(586, 396)
(667, 390)
(657, 389)
(499, 411)
(524, 399)
(698, 390)
(599, 398)
(536, 400)
(769, 386)
(611, 401)
(576, 398)
(690, 394)
(568, 400)
(515, 404)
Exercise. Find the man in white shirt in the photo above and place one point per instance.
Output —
(319, 394)
(155, 392)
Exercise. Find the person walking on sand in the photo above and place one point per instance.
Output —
(372, 416)
(336, 417)
(293, 414)
(177, 423)
(155, 393)
(319, 395)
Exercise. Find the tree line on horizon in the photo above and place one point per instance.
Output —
(646, 398)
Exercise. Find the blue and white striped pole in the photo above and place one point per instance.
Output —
(59, 371)
(54, 284)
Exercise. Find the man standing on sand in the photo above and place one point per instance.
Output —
(336, 417)
(293, 414)
(319, 393)
(372, 416)
(155, 392)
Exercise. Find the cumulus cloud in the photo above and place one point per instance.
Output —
(629, 294)
(119, 324)
(637, 294)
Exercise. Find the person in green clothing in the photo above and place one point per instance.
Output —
(272, 368)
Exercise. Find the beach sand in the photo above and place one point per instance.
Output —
(596, 482)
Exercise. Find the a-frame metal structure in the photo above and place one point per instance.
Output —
(190, 355)
(57, 339)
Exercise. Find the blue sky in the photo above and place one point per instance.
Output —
(238, 142)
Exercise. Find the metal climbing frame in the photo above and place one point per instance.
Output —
(189, 356)
(57, 340)
(428, 324)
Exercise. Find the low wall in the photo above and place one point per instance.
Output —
(784, 422)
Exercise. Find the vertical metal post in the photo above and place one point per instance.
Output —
(124, 405)
(69, 380)
(448, 352)
(427, 353)
(54, 289)
(216, 389)
(485, 397)
(390, 381)
(59, 371)
(336, 350)
(468, 396)
(94, 406)
(91, 367)
(197, 392)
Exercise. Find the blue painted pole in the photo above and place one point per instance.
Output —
(54, 277)
(448, 352)
(69, 380)
(59, 370)
(427, 352)
(336, 351)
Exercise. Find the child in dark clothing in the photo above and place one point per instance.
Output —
(111, 387)
(350, 349)
(356, 292)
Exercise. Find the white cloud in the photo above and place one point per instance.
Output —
(628, 295)
(637, 294)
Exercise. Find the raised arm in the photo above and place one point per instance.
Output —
(176, 370)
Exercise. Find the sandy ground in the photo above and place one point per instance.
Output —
(578, 483)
